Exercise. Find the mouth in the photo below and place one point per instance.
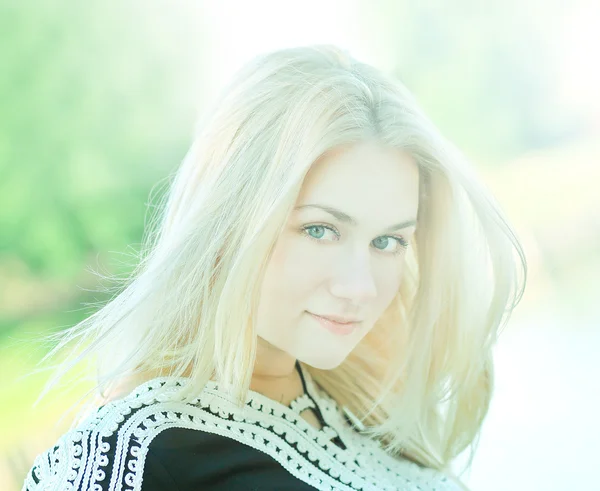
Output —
(341, 328)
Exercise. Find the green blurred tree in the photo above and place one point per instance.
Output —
(96, 107)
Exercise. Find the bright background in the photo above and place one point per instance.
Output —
(97, 105)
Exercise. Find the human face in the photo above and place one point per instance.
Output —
(324, 265)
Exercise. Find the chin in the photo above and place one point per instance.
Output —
(324, 363)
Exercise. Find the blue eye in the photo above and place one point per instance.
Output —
(320, 232)
(321, 229)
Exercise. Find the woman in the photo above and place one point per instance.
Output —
(315, 309)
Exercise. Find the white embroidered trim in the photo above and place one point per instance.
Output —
(79, 459)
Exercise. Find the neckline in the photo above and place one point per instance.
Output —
(259, 402)
(309, 392)
(309, 399)
(308, 387)
(294, 404)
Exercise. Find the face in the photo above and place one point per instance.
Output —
(347, 261)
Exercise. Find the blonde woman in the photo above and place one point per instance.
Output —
(315, 306)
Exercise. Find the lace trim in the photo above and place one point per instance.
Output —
(79, 459)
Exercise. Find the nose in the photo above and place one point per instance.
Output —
(355, 280)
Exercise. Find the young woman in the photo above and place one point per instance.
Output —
(315, 307)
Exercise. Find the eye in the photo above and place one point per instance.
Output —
(320, 231)
(317, 232)
(399, 244)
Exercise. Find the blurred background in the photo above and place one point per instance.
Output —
(98, 102)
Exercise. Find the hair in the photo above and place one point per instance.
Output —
(422, 379)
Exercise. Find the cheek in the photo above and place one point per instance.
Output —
(294, 269)
(388, 285)
(297, 259)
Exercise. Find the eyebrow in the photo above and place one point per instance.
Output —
(343, 217)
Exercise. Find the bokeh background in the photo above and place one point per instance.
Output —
(98, 102)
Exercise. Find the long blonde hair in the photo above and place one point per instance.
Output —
(422, 379)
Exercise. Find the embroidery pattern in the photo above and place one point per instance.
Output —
(125, 429)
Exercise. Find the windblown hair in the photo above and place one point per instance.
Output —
(421, 380)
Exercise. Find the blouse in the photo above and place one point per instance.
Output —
(149, 441)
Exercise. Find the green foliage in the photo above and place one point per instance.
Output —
(91, 120)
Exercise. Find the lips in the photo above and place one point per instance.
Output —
(342, 328)
(339, 319)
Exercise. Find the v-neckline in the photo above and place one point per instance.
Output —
(299, 405)
(307, 390)
(309, 399)
(259, 402)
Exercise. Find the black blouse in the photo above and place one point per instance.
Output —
(183, 459)
(152, 442)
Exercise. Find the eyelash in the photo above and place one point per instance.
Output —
(403, 243)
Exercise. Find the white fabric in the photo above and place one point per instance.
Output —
(79, 459)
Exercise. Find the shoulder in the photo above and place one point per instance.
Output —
(108, 450)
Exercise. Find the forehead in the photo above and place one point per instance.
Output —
(366, 174)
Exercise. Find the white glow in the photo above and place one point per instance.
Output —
(245, 29)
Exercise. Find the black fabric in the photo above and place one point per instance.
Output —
(191, 460)
(188, 460)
